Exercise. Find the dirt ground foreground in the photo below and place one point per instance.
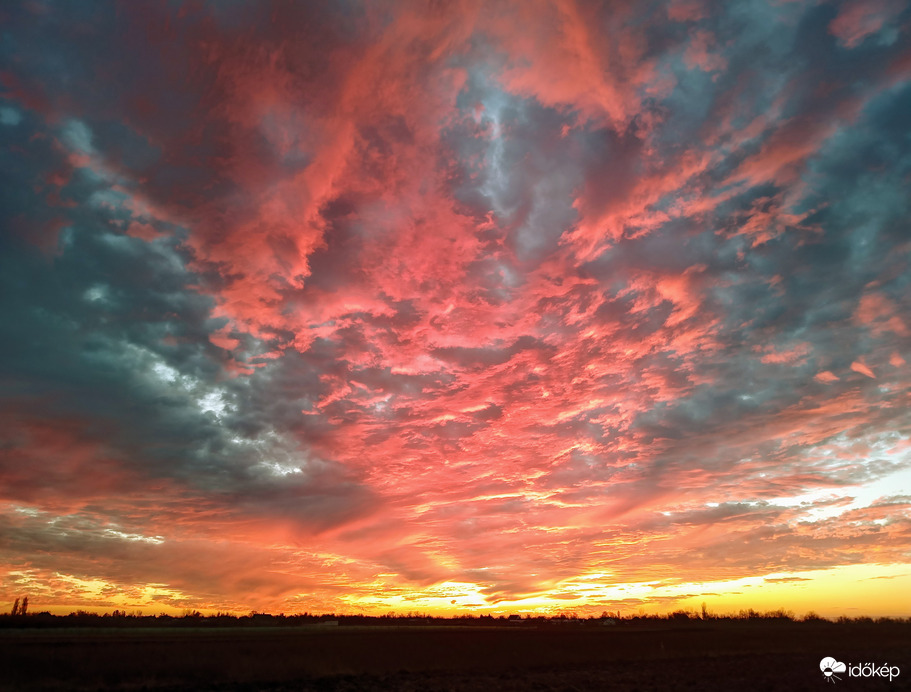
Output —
(742, 657)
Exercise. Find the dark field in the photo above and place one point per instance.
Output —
(701, 656)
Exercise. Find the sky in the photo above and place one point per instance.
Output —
(456, 307)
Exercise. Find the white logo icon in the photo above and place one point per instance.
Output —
(829, 666)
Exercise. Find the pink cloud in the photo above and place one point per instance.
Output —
(795, 355)
(560, 61)
(858, 19)
(687, 10)
(862, 368)
(880, 314)
(768, 218)
(143, 231)
(698, 55)
(783, 152)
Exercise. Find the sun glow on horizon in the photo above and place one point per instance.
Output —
(846, 591)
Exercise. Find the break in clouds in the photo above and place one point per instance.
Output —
(343, 306)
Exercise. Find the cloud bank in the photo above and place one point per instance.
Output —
(354, 306)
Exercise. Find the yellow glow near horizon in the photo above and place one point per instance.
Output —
(851, 591)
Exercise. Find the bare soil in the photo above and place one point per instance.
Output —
(701, 656)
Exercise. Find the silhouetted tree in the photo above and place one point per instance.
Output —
(15, 610)
(23, 609)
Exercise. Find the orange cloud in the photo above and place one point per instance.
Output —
(862, 368)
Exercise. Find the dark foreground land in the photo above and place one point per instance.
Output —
(698, 656)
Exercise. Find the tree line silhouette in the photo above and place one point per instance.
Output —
(20, 617)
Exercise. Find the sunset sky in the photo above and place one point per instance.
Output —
(456, 307)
